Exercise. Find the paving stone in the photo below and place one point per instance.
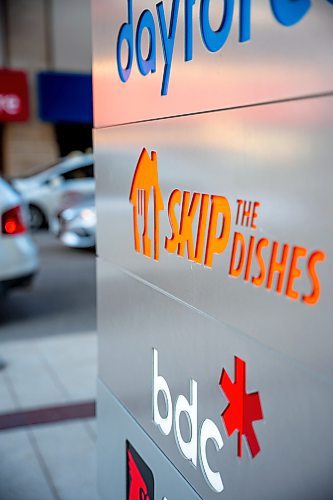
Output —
(21, 475)
(69, 453)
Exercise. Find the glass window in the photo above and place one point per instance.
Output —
(79, 173)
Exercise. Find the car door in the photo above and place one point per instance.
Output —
(78, 184)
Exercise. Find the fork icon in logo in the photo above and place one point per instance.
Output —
(145, 188)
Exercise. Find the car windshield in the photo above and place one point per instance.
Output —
(69, 168)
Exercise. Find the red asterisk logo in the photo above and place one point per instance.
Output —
(243, 409)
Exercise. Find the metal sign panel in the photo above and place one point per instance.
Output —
(288, 454)
(126, 435)
(215, 258)
(213, 162)
(229, 155)
(184, 56)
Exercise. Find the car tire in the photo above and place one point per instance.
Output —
(37, 219)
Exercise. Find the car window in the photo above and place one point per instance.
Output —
(51, 180)
(79, 173)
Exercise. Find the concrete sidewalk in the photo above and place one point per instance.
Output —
(48, 461)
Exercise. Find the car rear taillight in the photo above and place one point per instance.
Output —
(12, 222)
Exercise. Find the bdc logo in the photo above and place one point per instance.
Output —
(242, 410)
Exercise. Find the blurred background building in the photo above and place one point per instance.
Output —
(46, 106)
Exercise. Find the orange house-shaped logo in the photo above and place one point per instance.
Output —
(144, 185)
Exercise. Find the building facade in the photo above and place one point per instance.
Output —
(38, 37)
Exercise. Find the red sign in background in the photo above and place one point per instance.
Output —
(14, 98)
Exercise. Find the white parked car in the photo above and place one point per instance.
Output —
(19, 260)
(70, 179)
(77, 225)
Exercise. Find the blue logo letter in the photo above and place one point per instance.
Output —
(126, 33)
(148, 65)
(289, 12)
(168, 40)
(244, 20)
(189, 29)
(214, 40)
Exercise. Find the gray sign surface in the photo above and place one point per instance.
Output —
(198, 317)
(277, 155)
(213, 147)
(295, 458)
(112, 450)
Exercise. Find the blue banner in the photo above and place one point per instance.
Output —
(65, 97)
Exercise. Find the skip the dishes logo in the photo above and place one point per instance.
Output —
(242, 410)
(201, 225)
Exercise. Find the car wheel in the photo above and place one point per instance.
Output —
(37, 219)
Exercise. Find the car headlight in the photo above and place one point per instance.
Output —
(88, 215)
